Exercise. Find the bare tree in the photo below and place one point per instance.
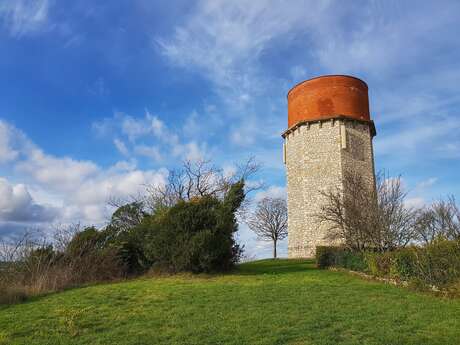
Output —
(63, 234)
(440, 219)
(366, 218)
(199, 178)
(26, 258)
(269, 221)
(350, 212)
(395, 221)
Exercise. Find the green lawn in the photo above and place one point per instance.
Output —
(265, 302)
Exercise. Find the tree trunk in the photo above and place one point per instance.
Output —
(274, 249)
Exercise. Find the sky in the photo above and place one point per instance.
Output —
(99, 99)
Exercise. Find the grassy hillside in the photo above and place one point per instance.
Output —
(265, 302)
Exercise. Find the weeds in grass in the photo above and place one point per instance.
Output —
(69, 319)
(4, 338)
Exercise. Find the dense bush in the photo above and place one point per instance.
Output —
(195, 235)
(89, 257)
(327, 256)
(436, 264)
(125, 237)
(339, 257)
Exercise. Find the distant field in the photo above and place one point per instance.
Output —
(265, 302)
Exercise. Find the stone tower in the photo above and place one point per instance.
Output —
(329, 134)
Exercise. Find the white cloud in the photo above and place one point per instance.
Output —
(134, 128)
(426, 136)
(427, 183)
(150, 136)
(88, 202)
(271, 192)
(415, 202)
(151, 152)
(61, 173)
(122, 166)
(192, 127)
(17, 205)
(22, 17)
(245, 133)
(375, 42)
(156, 125)
(194, 152)
(121, 147)
(7, 152)
(418, 196)
(224, 40)
(74, 190)
(98, 190)
(227, 43)
(229, 170)
(407, 54)
(104, 127)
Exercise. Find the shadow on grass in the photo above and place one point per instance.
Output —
(278, 266)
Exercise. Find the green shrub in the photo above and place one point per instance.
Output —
(403, 263)
(123, 236)
(339, 257)
(371, 259)
(327, 256)
(194, 235)
(353, 261)
(128, 246)
(436, 264)
(384, 262)
(89, 257)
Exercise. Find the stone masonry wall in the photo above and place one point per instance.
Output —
(316, 155)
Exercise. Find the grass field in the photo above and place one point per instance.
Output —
(264, 302)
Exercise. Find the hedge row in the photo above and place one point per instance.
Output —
(437, 264)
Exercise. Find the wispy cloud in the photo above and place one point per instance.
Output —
(7, 150)
(226, 40)
(148, 136)
(23, 17)
(430, 137)
(375, 40)
(151, 152)
(121, 146)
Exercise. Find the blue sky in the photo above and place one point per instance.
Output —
(100, 98)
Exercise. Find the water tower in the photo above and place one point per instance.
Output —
(329, 134)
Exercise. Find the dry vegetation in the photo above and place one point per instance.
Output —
(380, 220)
(185, 225)
(385, 237)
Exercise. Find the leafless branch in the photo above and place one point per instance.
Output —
(197, 179)
(367, 218)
